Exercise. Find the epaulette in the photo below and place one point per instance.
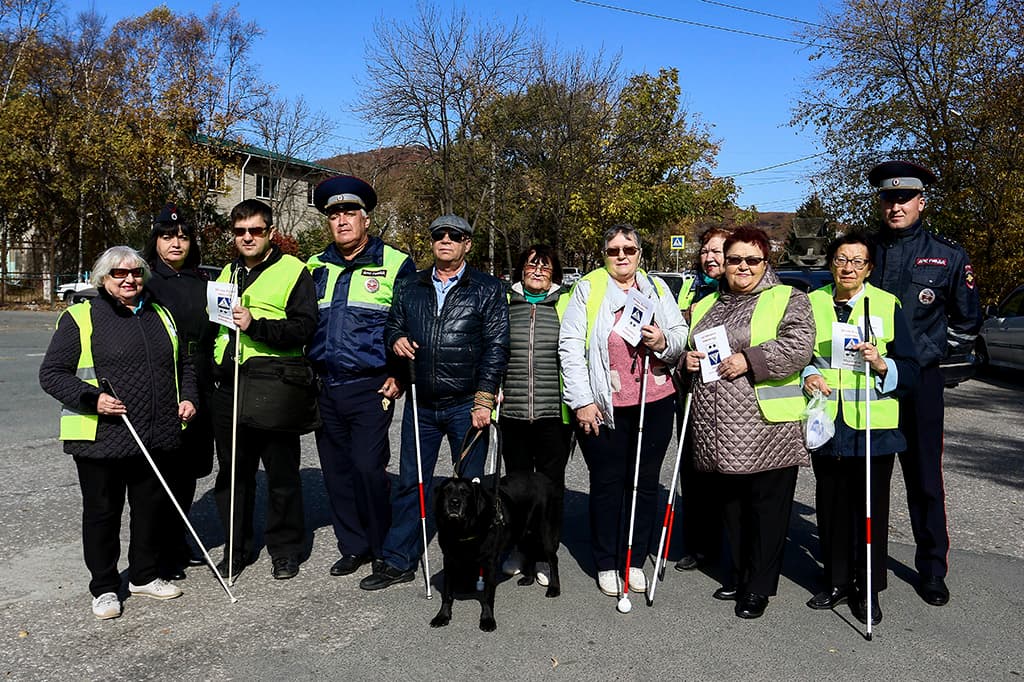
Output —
(946, 240)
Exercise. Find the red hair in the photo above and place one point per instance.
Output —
(749, 235)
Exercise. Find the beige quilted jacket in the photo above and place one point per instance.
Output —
(730, 436)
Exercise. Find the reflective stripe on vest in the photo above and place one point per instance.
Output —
(78, 425)
(371, 286)
(885, 411)
(266, 299)
(780, 400)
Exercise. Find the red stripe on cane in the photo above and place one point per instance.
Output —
(668, 538)
(867, 530)
(423, 506)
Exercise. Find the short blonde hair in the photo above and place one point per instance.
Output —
(112, 258)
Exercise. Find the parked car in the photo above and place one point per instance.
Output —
(570, 276)
(1001, 339)
(65, 291)
(674, 280)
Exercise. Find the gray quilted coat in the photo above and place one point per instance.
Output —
(531, 387)
(730, 435)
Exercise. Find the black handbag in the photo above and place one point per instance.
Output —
(278, 394)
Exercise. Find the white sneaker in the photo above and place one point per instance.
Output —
(106, 606)
(541, 571)
(609, 582)
(637, 579)
(156, 589)
(513, 565)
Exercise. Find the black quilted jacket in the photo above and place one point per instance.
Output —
(463, 348)
(134, 353)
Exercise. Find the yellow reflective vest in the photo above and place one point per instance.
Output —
(780, 400)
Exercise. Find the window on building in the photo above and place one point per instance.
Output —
(310, 188)
(214, 179)
(266, 187)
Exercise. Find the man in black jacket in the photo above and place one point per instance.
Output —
(451, 322)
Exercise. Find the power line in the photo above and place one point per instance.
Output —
(774, 166)
(698, 24)
(763, 14)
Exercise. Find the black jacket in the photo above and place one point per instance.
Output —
(463, 348)
(134, 353)
(934, 281)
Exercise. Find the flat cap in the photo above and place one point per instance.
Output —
(452, 222)
(900, 175)
(344, 189)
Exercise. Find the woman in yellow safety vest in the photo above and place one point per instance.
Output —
(750, 341)
(130, 342)
(838, 464)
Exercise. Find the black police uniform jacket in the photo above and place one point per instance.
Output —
(463, 348)
(933, 279)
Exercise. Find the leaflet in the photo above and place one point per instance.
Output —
(221, 297)
(639, 311)
(714, 343)
(844, 337)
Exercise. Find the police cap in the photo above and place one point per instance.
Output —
(341, 190)
(897, 175)
(169, 215)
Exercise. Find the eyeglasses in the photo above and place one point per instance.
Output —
(898, 196)
(537, 267)
(122, 273)
(254, 231)
(615, 253)
(454, 235)
(751, 261)
(843, 261)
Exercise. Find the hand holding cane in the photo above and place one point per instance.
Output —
(419, 477)
(195, 536)
(868, 595)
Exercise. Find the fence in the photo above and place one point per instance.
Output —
(27, 288)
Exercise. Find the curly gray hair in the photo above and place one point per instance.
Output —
(113, 258)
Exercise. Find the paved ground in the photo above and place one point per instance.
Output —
(317, 627)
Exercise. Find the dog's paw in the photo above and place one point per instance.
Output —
(440, 621)
(553, 592)
(488, 624)
(525, 580)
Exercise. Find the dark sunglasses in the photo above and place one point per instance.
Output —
(898, 196)
(454, 235)
(749, 260)
(628, 250)
(254, 231)
(122, 273)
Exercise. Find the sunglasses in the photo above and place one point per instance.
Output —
(615, 253)
(122, 273)
(254, 231)
(751, 261)
(454, 235)
(537, 267)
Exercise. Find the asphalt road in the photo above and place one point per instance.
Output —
(318, 627)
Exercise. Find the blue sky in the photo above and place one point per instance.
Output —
(741, 86)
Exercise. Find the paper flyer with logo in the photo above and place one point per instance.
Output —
(221, 297)
(639, 311)
(714, 343)
(844, 338)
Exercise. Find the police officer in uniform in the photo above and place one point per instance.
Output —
(934, 281)
(355, 279)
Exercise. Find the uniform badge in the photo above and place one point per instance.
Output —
(969, 276)
(372, 285)
(926, 297)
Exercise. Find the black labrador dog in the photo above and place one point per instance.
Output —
(474, 529)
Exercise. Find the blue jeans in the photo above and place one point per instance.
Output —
(403, 544)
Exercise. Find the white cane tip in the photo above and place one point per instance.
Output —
(430, 596)
(624, 605)
(234, 600)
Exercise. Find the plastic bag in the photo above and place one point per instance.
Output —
(818, 427)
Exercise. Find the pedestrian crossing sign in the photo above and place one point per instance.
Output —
(678, 242)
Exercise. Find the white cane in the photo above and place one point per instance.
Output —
(867, 470)
(234, 455)
(666, 526)
(419, 477)
(624, 605)
(494, 434)
(195, 536)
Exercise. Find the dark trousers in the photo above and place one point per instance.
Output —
(403, 546)
(839, 501)
(181, 470)
(921, 420)
(755, 511)
(354, 453)
(611, 458)
(699, 505)
(542, 446)
(104, 484)
(279, 452)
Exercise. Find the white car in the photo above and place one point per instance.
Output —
(1001, 339)
(570, 276)
(65, 291)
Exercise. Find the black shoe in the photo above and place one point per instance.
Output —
(387, 576)
(689, 562)
(174, 574)
(725, 594)
(194, 561)
(859, 609)
(349, 563)
(934, 591)
(829, 599)
(751, 605)
(285, 567)
(237, 565)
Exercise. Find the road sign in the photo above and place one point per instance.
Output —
(678, 242)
